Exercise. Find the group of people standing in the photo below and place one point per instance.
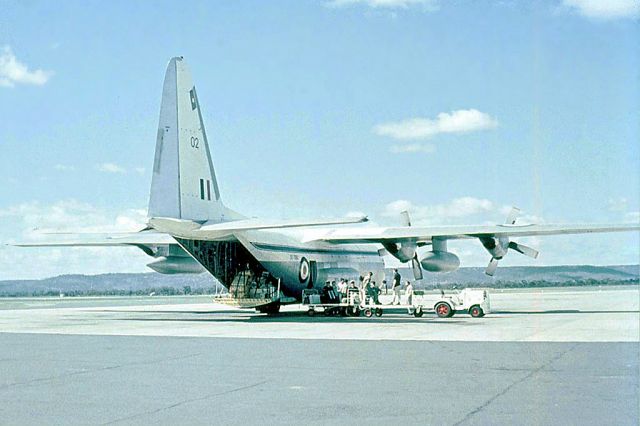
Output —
(366, 288)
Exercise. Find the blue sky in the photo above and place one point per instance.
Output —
(456, 110)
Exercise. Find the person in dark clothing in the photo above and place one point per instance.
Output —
(395, 287)
(374, 291)
(325, 295)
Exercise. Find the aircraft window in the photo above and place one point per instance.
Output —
(202, 189)
(208, 190)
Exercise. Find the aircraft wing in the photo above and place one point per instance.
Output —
(420, 234)
(194, 230)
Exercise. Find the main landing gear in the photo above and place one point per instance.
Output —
(270, 309)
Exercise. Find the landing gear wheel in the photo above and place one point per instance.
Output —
(443, 309)
(418, 313)
(271, 309)
(368, 313)
(378, 312)
(476, 311)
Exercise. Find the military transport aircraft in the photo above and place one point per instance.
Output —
(268, 263)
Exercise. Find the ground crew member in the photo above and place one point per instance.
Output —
(366, 282)
(374, 291)
(409, 291)
(351, 289)
(395, 287)
(333, 296)
(342, 289)
(325, 294)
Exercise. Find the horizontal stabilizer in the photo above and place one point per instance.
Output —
(102, 240)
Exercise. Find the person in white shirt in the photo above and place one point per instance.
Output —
(365, 286)
(342, 289)
(409, 291)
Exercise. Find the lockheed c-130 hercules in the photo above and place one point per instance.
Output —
(268, 263)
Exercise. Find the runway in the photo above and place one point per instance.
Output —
(540, 358)
(549, 315)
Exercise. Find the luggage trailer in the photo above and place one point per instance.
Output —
(351, 305)
(475, 302)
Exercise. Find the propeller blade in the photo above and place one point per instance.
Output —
(527, 251)
(406, 219)
(491, 269)
(417, 269)
(513, 215)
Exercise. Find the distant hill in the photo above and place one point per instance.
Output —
(557, 274)
(104, 283)
(517, 276)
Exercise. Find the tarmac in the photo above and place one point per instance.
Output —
(541, 357)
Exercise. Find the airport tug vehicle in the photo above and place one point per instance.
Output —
(475, 301)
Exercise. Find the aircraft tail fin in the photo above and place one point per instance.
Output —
(184, 184)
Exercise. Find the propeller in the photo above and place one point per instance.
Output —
(499, 248)
(415, 263)
(417, 269)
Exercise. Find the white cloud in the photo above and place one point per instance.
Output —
(605, 9)
(14, 72)
(355, 213)
(413, 148)
(460, 121)
(457, 208)
(427, 5)
(34, 218)
(64, 168)
(617, 204)
(110, 168)
(458, 211)
(140, 170)
(31, 221)
(632, 217)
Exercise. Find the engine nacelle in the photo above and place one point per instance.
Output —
(176, 265)
(497, 247)
(404, 252)
(439, 261)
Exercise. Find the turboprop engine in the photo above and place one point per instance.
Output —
(499, 247)
(439, 259)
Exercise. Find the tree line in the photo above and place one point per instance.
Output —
(188, 290)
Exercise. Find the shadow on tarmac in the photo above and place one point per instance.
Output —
(562, 311)
(285, 317)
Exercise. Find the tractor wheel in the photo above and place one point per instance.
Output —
(476, 311)
(443, 309)
(378, 312)
(368, 313)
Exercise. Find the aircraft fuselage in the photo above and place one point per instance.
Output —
(298, 265)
